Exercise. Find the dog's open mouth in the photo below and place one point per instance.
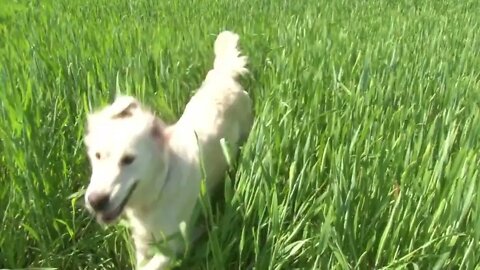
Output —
(111, 215)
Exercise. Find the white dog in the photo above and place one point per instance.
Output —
(153, 172)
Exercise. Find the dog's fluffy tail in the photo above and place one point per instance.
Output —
(227, 56)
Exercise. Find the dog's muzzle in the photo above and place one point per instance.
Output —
(101, 204)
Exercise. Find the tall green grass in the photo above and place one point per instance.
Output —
(364, 153)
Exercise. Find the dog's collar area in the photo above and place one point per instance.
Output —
(167, 178)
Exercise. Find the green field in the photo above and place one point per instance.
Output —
(365, 152)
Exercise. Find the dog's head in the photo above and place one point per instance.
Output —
(126, 148)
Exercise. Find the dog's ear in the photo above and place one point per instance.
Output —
(124, 107)
(158, 130)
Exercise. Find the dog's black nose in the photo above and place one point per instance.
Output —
(98, 200)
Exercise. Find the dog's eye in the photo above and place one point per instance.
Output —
(126, 160)
(97, 155)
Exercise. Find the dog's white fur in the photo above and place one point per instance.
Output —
(164, 167)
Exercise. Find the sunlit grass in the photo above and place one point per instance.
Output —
(364, 153)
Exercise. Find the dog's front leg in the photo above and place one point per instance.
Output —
(146, 260)
(157, 262)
